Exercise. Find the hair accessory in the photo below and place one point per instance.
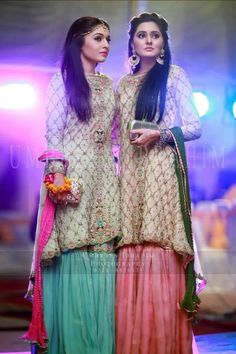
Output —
(102, 24)
(134, 60)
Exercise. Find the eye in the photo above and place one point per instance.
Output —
(155, 35)
(108, 39)
(98, 38)
(141, 35)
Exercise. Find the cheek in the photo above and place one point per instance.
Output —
(138, 45)
(89, 50)
(158, 46)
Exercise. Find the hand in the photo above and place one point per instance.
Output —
(59, 198)
(146, 137)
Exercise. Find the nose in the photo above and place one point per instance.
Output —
(105, 43)
(149, 38)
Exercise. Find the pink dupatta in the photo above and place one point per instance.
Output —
(37, 330)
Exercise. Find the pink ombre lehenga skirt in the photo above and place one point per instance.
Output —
(150, 284)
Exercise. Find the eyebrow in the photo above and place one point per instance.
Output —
(101, 34)
(156, 31)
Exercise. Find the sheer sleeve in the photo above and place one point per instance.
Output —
(56, 112)
(191, 126)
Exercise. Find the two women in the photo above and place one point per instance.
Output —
(155, 245)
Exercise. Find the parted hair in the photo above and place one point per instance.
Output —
(76, 85)
(152, 94)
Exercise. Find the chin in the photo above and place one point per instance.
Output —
(101, 60)
(145, 56)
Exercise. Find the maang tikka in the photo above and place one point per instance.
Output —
(134, 59)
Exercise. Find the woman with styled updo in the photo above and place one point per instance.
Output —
(156, 282)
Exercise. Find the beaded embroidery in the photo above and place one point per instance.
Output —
(150, 205)
(87, 146)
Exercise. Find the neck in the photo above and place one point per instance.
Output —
(88, 66)
(146, 64)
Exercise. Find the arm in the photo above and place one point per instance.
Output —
(56, 112)
(191, 126)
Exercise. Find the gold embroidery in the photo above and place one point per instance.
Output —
(88, 149)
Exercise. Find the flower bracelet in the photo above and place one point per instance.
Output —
(53, 188)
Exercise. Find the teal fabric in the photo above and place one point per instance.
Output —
(78, 295)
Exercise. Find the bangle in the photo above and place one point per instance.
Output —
(164, 137)
(53, 188)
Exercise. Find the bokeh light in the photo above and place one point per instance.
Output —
(17, 96)
(201, 102)
(234, 109)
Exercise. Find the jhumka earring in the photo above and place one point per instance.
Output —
(134, 60)
(161, 57)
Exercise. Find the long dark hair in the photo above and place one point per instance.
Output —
(76, 85)
(153, 90)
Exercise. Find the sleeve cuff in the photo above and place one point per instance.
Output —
(55, 166)
(165, 137)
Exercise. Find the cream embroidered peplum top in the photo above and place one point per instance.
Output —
(150, 202)
(88, 148)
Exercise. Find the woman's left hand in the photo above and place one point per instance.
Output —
(59, 198)
(146, 137)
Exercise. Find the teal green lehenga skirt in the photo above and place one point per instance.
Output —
(78, 294)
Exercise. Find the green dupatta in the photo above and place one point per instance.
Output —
(191, 301)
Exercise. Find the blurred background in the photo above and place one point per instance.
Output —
(203, 42)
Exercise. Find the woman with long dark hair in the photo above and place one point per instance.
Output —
(156, 285)
(74, 262)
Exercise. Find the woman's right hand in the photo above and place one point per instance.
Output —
(145, 137)
(59, 198)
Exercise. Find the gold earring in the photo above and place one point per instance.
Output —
(160, 59)
(134, 59)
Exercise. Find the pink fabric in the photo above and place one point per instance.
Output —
(195, 348)
(150, 284)
(37, 331)
(51, 154)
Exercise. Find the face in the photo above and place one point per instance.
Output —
(96, 45)
(148, 40)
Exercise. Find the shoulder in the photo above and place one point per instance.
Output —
(178, 75)
(56, 82)
(106, 78)
(178, 78)
(177, 71)
(123, 81)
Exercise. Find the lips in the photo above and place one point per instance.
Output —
(148, 48)
(104, 53)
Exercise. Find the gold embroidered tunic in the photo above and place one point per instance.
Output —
(150, 203)
(88, 148)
